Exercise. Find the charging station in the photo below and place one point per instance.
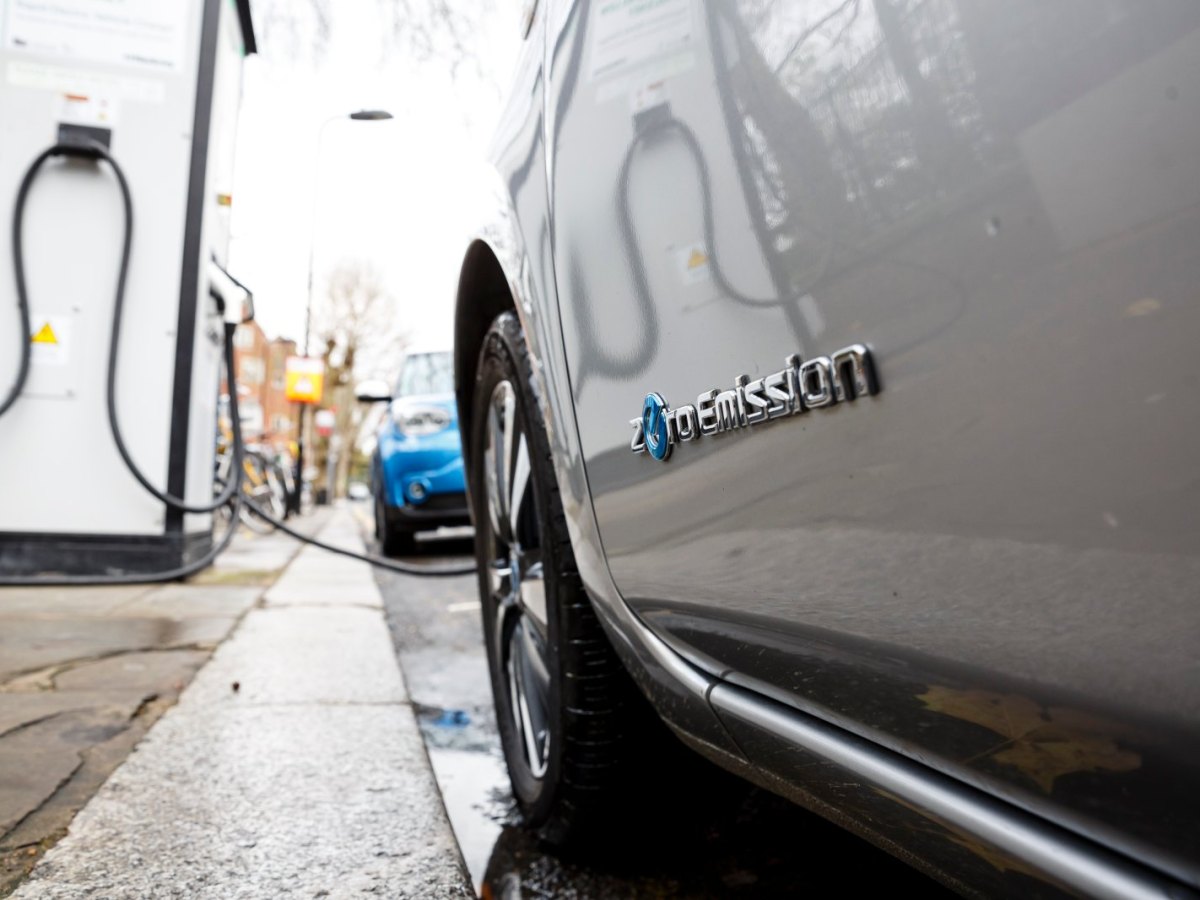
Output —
(158, 84)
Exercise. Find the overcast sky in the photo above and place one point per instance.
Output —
(401, 194)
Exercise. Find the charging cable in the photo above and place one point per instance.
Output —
(230, 493)
(19, 271)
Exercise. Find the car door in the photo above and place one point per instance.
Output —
(986, 554)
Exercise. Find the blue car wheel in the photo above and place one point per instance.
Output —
(393, 541)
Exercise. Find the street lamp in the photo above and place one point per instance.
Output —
(362, 115)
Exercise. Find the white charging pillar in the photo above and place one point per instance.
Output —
(163, 78)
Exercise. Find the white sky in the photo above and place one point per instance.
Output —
(401, 194)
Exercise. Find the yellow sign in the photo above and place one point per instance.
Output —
(45, 335)
(696, 259)
(304, 379)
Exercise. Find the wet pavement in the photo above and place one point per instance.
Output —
(703, 833)
(85, 672)
(292, 765)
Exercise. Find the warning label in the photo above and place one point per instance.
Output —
(692, 263)
(51, 340)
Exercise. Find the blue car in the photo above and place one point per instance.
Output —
(417, 467)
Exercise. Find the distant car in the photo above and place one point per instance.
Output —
(356, 490)
(417, 468)
(827, 371)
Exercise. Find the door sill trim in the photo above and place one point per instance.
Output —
(1066, 858)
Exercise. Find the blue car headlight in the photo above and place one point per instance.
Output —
(419, 420)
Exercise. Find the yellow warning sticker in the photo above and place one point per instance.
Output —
(693, 262)
(50, 343)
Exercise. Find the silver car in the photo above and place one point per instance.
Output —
(826, 384)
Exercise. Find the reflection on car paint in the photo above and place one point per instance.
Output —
(959, 181)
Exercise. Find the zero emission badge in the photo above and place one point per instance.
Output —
(798, 387)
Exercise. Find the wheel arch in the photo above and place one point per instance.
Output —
(495, 278)
(484, 292)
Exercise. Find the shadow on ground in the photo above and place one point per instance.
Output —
(702, 834)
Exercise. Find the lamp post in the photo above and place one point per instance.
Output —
(362, 115)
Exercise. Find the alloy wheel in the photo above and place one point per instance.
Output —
(516, 584)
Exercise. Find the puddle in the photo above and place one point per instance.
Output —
(474, 787)
(465, 753)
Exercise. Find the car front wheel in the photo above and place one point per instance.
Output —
(392, 541)
(561, 696)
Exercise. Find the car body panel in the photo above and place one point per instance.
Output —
(513, 245)
(987, 569)
(433, 459)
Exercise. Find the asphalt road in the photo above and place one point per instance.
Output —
(703, 834)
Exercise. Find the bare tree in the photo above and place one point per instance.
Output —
(358, 316)
(439, 29)
(356, 327)
(297, 30)
(446, 30)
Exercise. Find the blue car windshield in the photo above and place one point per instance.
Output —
(426, 373)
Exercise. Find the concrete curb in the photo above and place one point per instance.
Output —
(310, 778)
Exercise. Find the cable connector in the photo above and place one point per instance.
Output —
(652, 117)
(234, 300)
(83, 140)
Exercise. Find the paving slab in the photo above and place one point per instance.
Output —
(304, 655)
(21, 709)
(317, 577)
(61, 601)
(308, 780)
(35, 761)
(32, 645)
(149, 672)
(275, 802)
(184, 601)
(47, 822)
(304, 590)
(86, 671)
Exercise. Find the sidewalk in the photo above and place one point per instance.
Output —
(292, 765)
(85, 672)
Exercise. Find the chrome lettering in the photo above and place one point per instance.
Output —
(847, 375)
(727, 411)
(638, 444)
(686, 426)
(758, 407)
(816, 383)
(706, 409)
(853, 373)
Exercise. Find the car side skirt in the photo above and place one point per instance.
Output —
(943, 825)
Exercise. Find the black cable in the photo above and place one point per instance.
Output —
(670, 123)
(380, 561)
(95, 150)
(231, 492)
(649, 125)
(19, 273)
(113, 348)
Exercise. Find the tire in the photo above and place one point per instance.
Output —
(392, 540)
(562, 699)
